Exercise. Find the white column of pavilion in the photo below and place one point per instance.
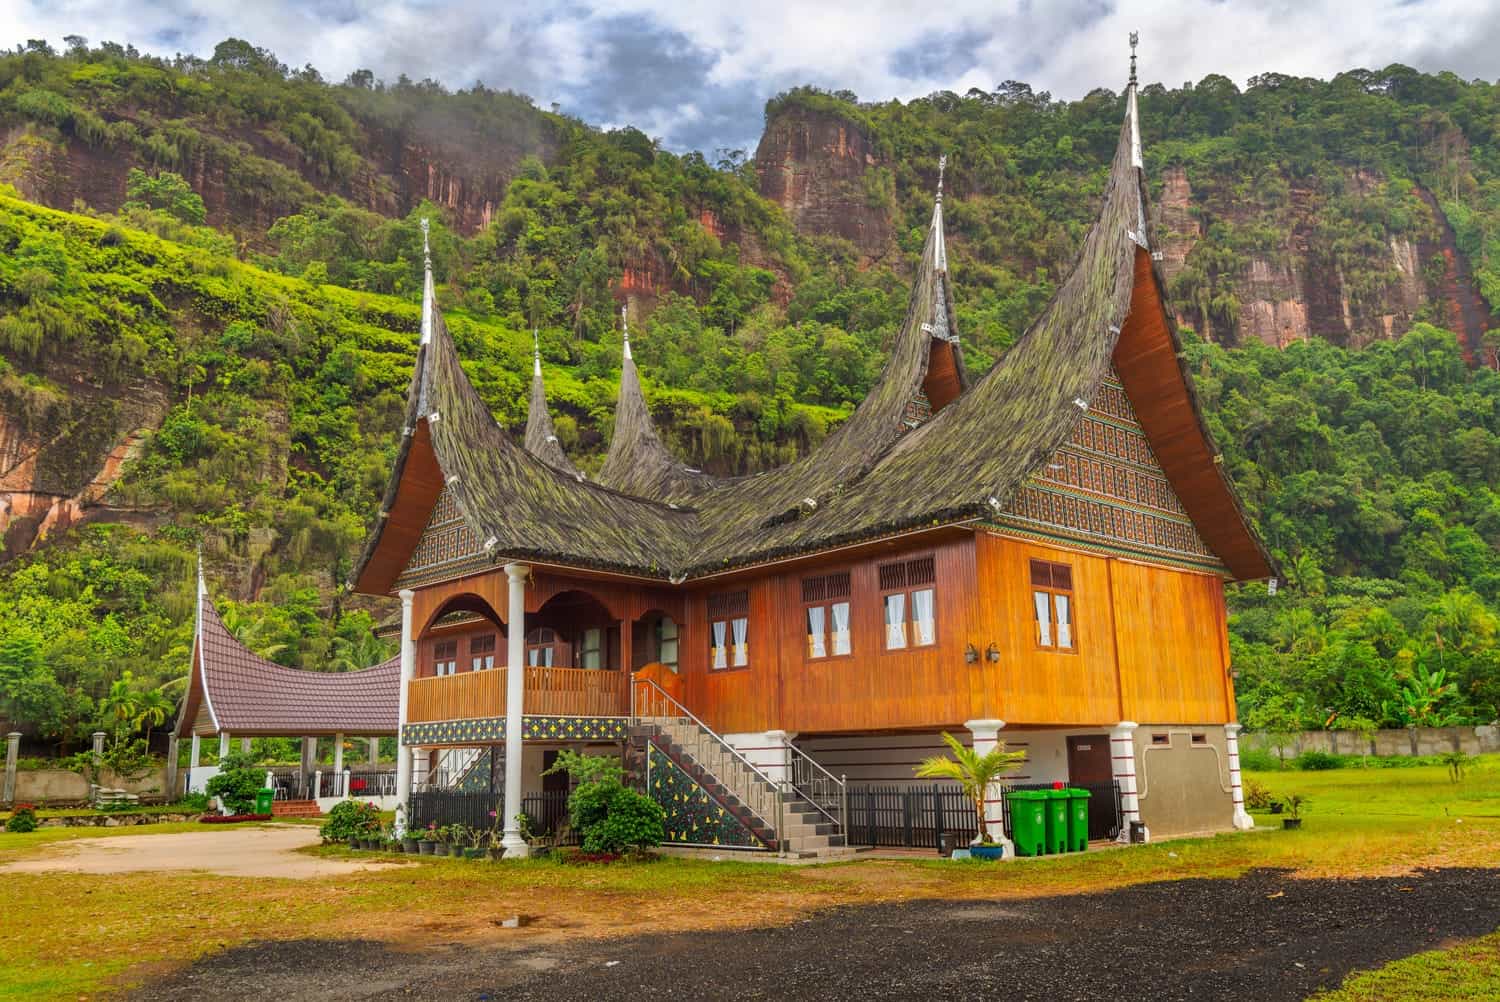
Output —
(515, 691)
(404, 754)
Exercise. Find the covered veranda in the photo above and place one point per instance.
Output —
(234, 693)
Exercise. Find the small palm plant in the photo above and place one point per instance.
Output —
(974, 772)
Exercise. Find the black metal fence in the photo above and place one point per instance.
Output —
(547, 811)
(914, 816)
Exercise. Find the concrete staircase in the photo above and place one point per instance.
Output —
(804, 831)
(295, 809)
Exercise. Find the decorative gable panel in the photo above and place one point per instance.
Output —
(448, 546)
(1105, 488)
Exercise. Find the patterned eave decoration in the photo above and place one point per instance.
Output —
(489, 730)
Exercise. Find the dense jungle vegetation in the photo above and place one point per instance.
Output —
(284, 352)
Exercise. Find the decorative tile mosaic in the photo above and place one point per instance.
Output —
(447, 545)
(476, 779)
(693, 817)
(485, 730)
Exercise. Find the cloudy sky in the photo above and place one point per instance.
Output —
(696, 73)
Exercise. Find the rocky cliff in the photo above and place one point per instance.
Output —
(823, 170)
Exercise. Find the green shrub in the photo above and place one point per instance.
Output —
(633, 821)
(1257, 796)
(1258, 760)
(193, 802)
(351, 819)
(23, 820)
(237, 783)
(1318, 761)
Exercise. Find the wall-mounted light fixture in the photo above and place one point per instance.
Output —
(971, 654)
(992, 654)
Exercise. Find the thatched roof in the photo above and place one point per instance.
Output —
(540, 438)
(875, 475)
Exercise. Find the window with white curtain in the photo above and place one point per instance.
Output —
(826, 601)
(1052, 604)
(482, 652)
(910, 602)
(666, 641)
(729, 629)
(445, 657)
(591, 649)
(895, 621)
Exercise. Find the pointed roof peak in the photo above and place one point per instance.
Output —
(541, 438)
(428, 295)
(536, 353)
(1130, 108)
(1135, 37)
(625, 328)
(939, 244)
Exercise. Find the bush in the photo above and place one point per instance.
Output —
(351, 819)
(1257, 796)
(633, 821)
(237, 783)
(23, 820)
(193, 802)
(1258, 760)
(1317, 761)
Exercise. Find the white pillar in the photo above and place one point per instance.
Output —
(374, 746)
(1122, 765)
(223, 744)
(338, 766)
(98, 749)
(245, 745)
(515, 692)
(986, 737)
(12, 759)
(1242, 819)
(317, 788)
(417, 760)
(309, 760)
(408, 672)
(195, 754)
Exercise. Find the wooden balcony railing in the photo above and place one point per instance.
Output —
(551, 692)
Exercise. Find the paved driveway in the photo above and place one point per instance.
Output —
(239, 851)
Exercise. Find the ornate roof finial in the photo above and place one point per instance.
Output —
(1135, 36)
(939, 247)
(942, 166)
(427, 292)
(625, 326)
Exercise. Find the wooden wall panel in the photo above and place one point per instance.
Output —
(1170, 628)
(1036, 686)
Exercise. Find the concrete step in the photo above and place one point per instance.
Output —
(295, 809)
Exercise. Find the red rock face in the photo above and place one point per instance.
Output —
(813, 165)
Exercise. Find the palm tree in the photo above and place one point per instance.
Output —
(364, 650)
(153, 709)
(974, 772)
(122, 704)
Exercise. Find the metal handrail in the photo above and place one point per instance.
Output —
(777, 789)
(815, 788)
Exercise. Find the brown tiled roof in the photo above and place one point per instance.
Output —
(247, 695)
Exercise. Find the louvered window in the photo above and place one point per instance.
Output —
(729, 630)
(1052, 605)
(826, 612)
(909, 602)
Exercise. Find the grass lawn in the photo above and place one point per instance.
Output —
(68, 935)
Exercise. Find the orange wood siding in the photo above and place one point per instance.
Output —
(942, 385)
(1171, 640)
(1032, 685)
(550, 692)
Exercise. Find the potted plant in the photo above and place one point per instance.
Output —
(444, 836)
(427, 843)
(1294, 805)
(409, 843)
(1277, 806)
(975, 773)
(495, 837)
(474, 840)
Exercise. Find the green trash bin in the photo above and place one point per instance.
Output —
(1078, 819)
(1057, 820)
(263, 800)
(1028, 821)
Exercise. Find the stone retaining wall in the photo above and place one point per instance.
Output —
(1417, 741)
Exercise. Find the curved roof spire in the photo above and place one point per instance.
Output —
(939, 247)
(428, 298)
(540, 439)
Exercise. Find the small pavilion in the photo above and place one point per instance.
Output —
(235, 693)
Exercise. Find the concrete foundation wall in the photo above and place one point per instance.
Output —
(1422, 741)
(1183, 784)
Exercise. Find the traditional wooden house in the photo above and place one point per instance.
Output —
(1036, 555)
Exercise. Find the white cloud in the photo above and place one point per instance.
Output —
(697, 72)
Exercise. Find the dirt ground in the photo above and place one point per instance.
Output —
(259, 851)
(1265, 936)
